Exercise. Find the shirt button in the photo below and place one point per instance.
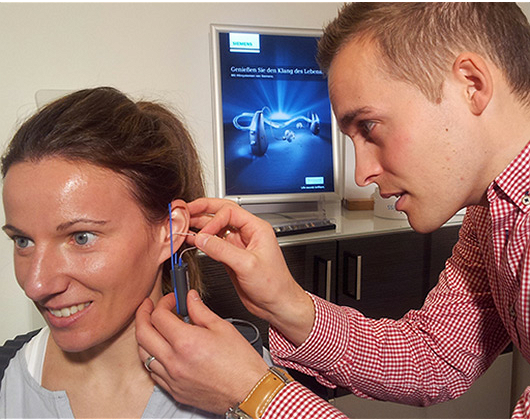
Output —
(512, 310)
(526, 200)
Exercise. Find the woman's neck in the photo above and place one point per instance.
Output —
(108, 380)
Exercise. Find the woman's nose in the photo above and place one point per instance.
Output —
(42, 274)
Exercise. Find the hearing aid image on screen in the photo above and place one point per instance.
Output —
(276, 115)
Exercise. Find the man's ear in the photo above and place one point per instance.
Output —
(473, 73)
(180, 223)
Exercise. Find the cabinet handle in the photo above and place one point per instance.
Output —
(322, 277)
(328, 280)
(358, 277)
(354, 292)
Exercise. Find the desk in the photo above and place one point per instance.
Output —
(352, 224)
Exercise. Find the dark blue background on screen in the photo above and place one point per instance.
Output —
(285, 78)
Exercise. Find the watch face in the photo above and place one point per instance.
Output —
(230, 414)
(236, 413)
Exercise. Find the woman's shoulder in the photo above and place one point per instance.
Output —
(11, 347)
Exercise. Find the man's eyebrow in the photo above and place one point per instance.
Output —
(346, 119)
(69, 224)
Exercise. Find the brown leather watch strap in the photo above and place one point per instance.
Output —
(264, 391)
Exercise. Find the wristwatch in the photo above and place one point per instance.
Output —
(257, 401)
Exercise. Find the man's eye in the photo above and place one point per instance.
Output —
(84, 238)
(367, 127)
(22, 243)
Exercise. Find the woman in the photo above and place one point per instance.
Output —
(87, 183)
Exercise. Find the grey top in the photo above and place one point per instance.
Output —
(21, 395)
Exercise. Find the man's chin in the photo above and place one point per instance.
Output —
(424, 224)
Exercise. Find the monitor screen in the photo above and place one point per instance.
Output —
(276, 138)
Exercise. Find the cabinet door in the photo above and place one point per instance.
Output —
(442, 242)
(383, 275)
(221, 297)
(312, 265)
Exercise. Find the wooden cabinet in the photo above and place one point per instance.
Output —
(441, 243)
(312, 265)
(320, 269)
(221, 297)
(381, 275)
(384, 275)
(387, 275)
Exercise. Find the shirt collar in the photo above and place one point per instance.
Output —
(514, 181)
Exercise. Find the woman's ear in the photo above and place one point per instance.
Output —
(473, 74)
(180, 222)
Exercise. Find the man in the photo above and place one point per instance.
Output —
(436, 99)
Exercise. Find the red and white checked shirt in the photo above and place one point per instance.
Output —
(481, 302)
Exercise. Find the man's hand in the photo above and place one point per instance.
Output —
(248, 248)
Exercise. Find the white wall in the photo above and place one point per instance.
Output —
(160, 51)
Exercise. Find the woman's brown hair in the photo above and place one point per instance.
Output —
(142, 141)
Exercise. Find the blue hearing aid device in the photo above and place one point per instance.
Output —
(179, 276)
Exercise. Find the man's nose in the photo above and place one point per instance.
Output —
(367, 165)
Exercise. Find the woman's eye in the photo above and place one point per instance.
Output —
(22, 242)
(84, 238)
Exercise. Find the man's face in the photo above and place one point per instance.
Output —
(410, 147)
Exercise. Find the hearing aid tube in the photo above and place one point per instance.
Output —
(179, 277)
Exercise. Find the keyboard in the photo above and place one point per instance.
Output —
(294, 227)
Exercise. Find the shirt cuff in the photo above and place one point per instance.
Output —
(296, 402)
(324, 347)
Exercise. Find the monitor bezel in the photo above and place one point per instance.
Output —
(337, 143)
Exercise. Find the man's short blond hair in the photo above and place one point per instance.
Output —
(418, 42)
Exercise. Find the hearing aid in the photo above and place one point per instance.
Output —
(180, 281)
(179, 274)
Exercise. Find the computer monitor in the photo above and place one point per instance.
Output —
(276, 139)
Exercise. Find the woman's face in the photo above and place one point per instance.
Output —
(83, 250)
